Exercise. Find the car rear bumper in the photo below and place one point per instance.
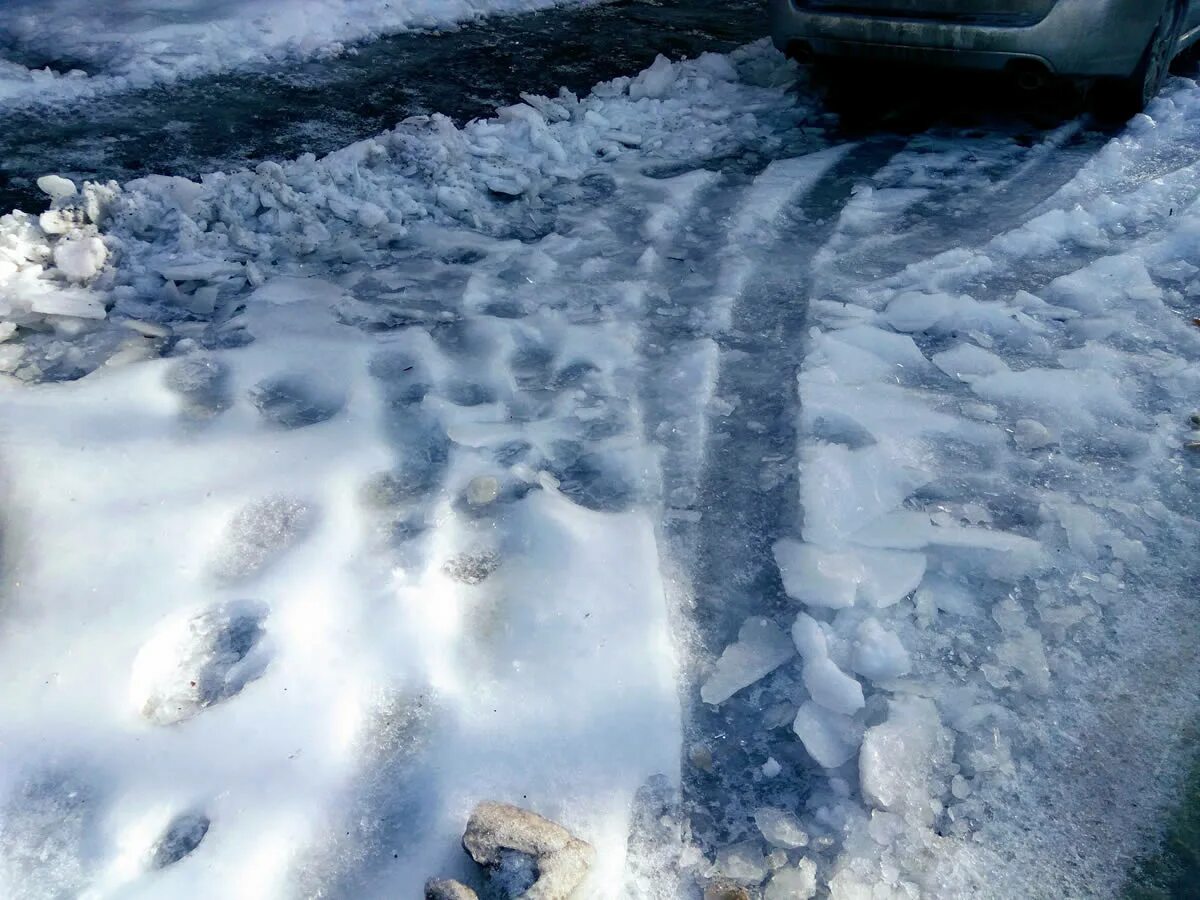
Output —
(1083, 38)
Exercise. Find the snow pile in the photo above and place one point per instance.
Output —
(182, 253)
(76, 49)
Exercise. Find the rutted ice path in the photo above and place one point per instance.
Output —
(472, 450)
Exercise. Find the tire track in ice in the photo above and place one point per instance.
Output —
(698, 270)
(1041, 671)
(752, 308)
(949, 189)
(736, 576)
(1058, 211)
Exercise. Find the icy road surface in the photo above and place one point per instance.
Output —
(772, 510)
(75, 48)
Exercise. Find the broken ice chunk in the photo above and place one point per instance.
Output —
(483, 490)
(845, 490)
(831, 687)
(743, 862)
(57, 187)
(798, 883)
(73, 302)
(1025, 652)
(878, 653)
(966, 360)
(809, 637)
(371, 215)
(80, 258)
(836, 578)
(900, 530)
(915, 311)
(829, 738)
(655, 81)
(780, 828)
(207, 270)
(902, 758)
(761, 647)
(817, 577)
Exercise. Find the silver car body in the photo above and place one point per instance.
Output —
(1077, 38)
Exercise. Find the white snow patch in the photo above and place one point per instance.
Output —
(137, 43)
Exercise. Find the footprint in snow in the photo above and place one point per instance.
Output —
(385, 491)
(467, 393)
(294, 401)
(258, 534)
(193, 663)
(462, 339)
(418, 440)
(531, 366)
(472, 568)
(573, 376)
(401, 376)
(182, 836)
(505, 309)
(202, 384)
(590, 480)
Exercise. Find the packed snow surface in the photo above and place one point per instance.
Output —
(339, 496)
(69, 48)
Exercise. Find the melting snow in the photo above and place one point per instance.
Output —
(368, 496)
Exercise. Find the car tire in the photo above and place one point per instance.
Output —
(1120, 99)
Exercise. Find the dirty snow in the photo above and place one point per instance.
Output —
(348, 493)
(69, 49)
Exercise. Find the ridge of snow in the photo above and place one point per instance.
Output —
(138, 43)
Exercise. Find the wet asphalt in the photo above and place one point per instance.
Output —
(227, 121)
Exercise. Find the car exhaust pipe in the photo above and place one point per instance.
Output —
(1029, 76)
(1031, 81)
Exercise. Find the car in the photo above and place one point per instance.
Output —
(1124, 47)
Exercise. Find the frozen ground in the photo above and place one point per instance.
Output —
(52, 49)
(342, 494)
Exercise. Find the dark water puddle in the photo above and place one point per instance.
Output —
(233, 120)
